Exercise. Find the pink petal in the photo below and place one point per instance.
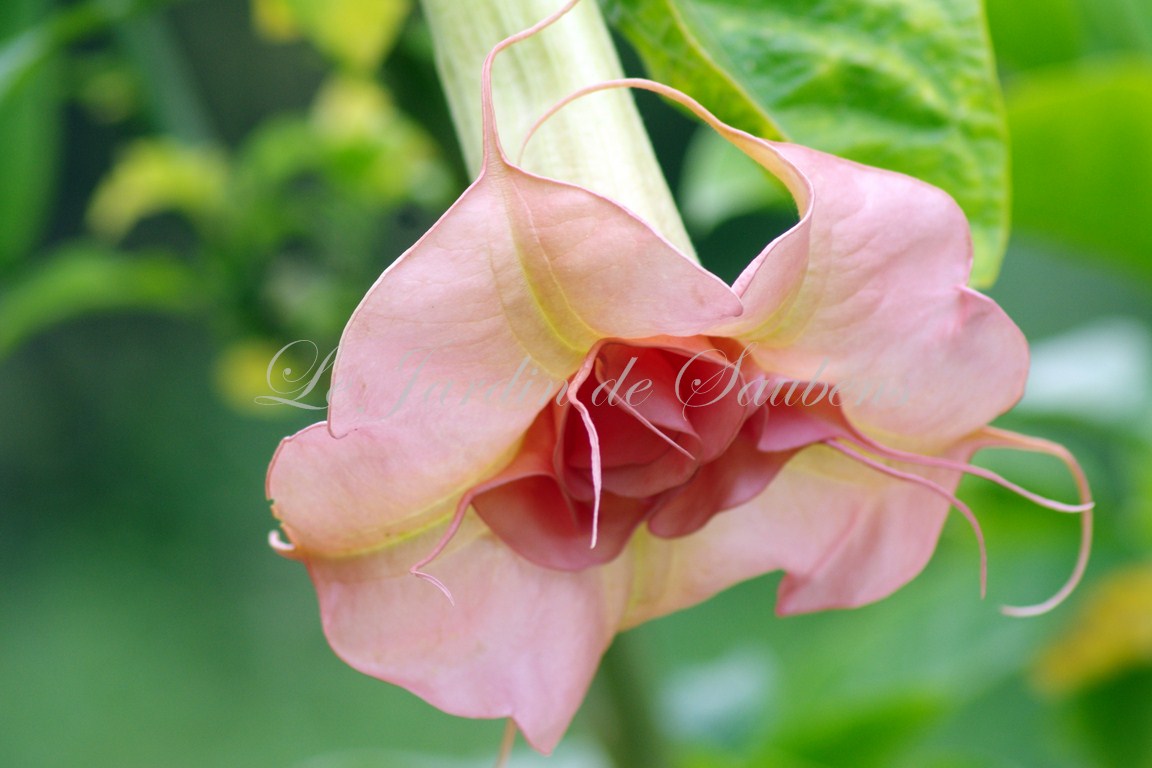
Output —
(737, 478)
(525, 505)
(521, 641)
(883, 303)
(844, 534)
(463, 340)
(520, 267)
(338, 495)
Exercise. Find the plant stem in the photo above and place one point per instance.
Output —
(598, 142)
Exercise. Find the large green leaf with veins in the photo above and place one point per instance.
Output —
(902, 84)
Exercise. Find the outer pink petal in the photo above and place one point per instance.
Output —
(342, 496)
(844, 534)
(883, 303)
(521, 641)
(520, 266)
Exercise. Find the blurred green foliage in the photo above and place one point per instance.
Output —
(28, 120)
(1086, 131)
(275, 235)
(186, 189)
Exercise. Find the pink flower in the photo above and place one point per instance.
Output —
(565, 424)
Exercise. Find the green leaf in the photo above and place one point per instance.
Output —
(22, 48)
(82, 279)
(1082, 158)
(907, 85)
(28, 122)
(31, 36)
(1014, 25)
(167, 82)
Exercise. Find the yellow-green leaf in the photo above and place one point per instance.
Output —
(157, 176)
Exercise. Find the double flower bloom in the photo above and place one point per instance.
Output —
(552, 525)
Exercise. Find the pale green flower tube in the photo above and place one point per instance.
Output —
(598, 143)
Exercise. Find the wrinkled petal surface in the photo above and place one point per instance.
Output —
(882, 309)
(521, 641)
(844, 535)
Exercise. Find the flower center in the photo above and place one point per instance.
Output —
(670, 435)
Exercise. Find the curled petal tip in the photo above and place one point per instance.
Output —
(1069, 587)
(436, 583)
(1007, 439)
(276, 541)
(1027, 612)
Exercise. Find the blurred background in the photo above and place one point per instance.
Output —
(187, 187)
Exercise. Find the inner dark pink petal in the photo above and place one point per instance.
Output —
(572, 454)
(716, 418)
(534, 517)
(790, 427)
(692, 391)
(738, 477)
(658, 404)
(623, 439)
(636, 461)
(703, 380)
(646, 480)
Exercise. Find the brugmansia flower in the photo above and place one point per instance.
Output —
(567, 426)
